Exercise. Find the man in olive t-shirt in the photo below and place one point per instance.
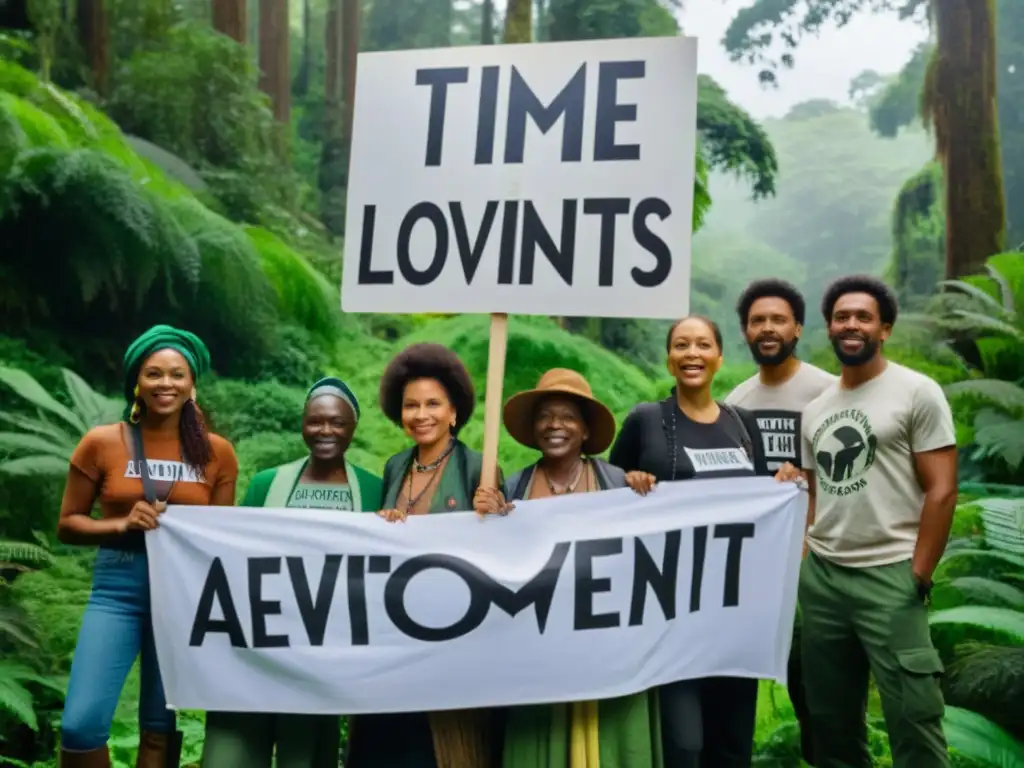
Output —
(771, 314)
(880, 452)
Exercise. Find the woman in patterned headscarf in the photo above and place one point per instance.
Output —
(160, 453)
(324, 479)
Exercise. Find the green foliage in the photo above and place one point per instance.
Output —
(42, 443)
(982, 312)
(196, 95)
(128, 247)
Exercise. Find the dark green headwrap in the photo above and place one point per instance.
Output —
(330, 385)
(160, 337)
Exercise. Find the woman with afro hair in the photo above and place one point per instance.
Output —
(427, 391)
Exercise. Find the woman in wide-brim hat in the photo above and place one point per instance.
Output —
(563, 420)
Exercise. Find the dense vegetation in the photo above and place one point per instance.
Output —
(154, 182)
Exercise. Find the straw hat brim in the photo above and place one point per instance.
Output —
(518, 418)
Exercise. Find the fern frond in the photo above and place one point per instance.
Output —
(997, 435)
(1003, 394)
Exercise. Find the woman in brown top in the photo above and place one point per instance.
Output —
(184, 464)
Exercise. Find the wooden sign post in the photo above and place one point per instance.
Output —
(492, 405)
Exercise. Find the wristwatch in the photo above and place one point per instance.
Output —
(924, 590)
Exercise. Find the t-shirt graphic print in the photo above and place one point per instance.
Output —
(709, 461)
(778, 410)
(163, 471)
(844, 451)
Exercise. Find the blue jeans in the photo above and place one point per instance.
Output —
(116, 628)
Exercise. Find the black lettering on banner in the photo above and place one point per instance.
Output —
(216, 587)
(610, 111)
(587, 586)
(662, 581)
(607, 208)
(259, 608)
(438, 79)
(735, 533)
(314, 613)
(435, 215)
(483, 591)
(358, 621)
(523, 102)
(367, 274)
(535, 234)
(700, 551)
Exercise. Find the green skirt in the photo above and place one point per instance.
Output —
(629, 734)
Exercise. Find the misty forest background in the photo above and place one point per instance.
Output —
(185, 162)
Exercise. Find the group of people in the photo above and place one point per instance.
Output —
(875, 446)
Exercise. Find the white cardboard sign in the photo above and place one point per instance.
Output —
(541, 179)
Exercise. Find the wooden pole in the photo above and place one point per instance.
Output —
(492, 404)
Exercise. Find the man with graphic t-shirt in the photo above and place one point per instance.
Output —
(879, 451)
(771, 315)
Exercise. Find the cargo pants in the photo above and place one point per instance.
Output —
(857, 621)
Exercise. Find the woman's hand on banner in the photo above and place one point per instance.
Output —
(393, 515)
(790, 474)
(143, 516)
(491, 501)
(641, 482)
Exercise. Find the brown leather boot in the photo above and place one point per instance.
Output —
(159, 750)
(94, 758)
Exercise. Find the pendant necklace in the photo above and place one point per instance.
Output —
(571, 486)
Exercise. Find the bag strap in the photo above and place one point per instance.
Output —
(140, 459)
(748, 444)
(138, 449)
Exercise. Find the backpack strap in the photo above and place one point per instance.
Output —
(139, 454)
(748, 444)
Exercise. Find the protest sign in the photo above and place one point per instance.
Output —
(578, 597)
(536, 179)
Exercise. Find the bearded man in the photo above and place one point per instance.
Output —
(771, 315)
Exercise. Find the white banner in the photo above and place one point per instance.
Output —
(519, 178)
(580, 597)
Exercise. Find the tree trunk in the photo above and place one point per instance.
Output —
(333, 172)
(94, 34)
(487, 23)
(350, 54)
(301, 85)
(518, 21)
(229, 18)
(960, 102)
(273, 56)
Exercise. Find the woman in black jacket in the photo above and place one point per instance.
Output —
(687, 436)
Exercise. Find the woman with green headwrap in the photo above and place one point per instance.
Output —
(160, 453)
(324, 479)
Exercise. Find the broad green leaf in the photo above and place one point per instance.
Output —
(974, 292)
(35, 466)
(39, 426)
(989, 591)
(1004, 394)
(20, 443)
(1006, 557)
(29, 389)
(978, 738)
(1004, 620)
(93, 407)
